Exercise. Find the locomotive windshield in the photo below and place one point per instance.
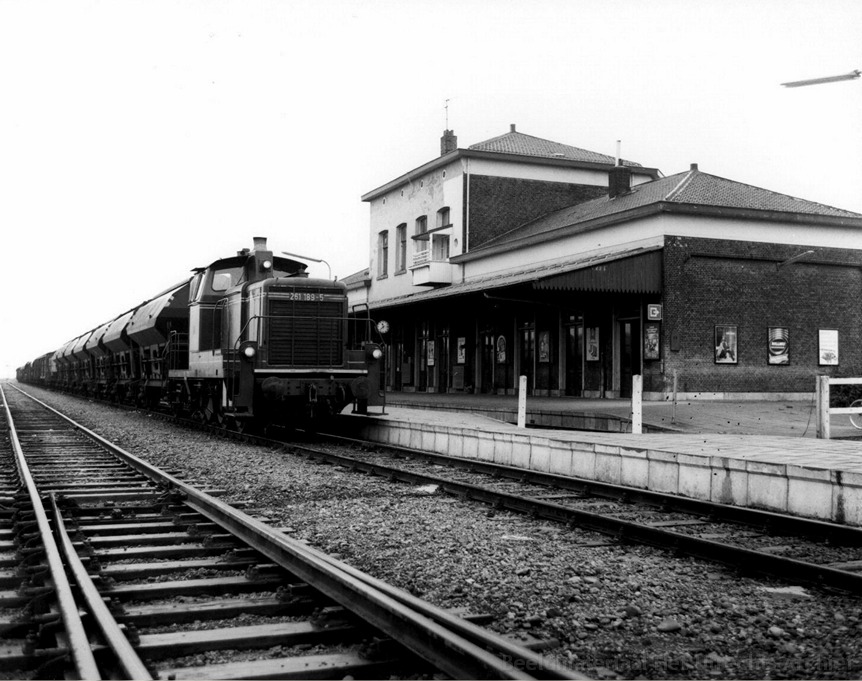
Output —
(226, 277)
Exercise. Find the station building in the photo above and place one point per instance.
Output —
(522, 256)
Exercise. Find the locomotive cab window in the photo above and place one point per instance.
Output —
(223, 279)
(195, 288)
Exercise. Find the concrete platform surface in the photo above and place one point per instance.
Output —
(787, 418)
(757, 454)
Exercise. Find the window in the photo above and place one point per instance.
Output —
(443, 218)
(224, 278)
(421, 228)
(383, 254)
(440, 248)
(401, 253)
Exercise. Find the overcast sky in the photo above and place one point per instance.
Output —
(141, 139)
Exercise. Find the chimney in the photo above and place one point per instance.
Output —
(694, 166)
(512, 127)
(448, 143)
(260, 243)
(619, 181)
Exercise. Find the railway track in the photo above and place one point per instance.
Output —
(166, 581)
(756, 542)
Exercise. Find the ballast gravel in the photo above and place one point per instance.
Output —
(616, 611)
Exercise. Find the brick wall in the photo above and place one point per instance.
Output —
(498, 204)
(709, 282)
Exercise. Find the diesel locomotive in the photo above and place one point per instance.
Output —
(249, 340)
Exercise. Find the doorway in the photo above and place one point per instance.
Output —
(630, 353)
(575, 359)
(528, 355)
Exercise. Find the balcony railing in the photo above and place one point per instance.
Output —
(422, 257)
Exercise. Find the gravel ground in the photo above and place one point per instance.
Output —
(625, 612)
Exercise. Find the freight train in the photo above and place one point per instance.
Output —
(249, 340)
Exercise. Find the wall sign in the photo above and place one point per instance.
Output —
(778, 348)
(828, 348)
(431, 353)
(726, 350)
(653, 312)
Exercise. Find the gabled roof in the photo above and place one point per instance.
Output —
(517, 147)
(526, 145)
(692, 192)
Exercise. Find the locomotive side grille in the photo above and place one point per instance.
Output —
(306, 333)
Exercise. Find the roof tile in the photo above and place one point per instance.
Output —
(526, 145)
(692, 188)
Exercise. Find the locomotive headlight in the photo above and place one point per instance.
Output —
(249, 351)
(266, 264)
(377, 353)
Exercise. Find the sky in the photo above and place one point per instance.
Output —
(139, 140)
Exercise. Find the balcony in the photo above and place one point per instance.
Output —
(430, 272)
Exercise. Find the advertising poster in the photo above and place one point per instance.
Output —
(828, 347)
(544, 346)
(431, 349)
(778, 347)
(726, 344)
(501, 349)
(651, 341)
(593, 344)
(462, 350)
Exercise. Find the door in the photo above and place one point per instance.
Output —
(575, 360)
(528, 355)
(630, 355)
(487, 385)
(443, 362)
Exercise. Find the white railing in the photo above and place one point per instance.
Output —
(824, 412)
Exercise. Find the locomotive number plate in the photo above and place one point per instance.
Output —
(309, 297)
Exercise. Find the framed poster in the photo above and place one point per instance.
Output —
(592, 343)
(501, 349)
(778, 349)
(726, 344)
(462, 350)
(828, 347)
(544, 347)
(431, 349)
(652, 349)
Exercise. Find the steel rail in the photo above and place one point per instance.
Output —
(449, 651)
(79, 645)
(126, 656)
(624, 530)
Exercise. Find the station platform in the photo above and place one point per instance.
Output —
(757, 454)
